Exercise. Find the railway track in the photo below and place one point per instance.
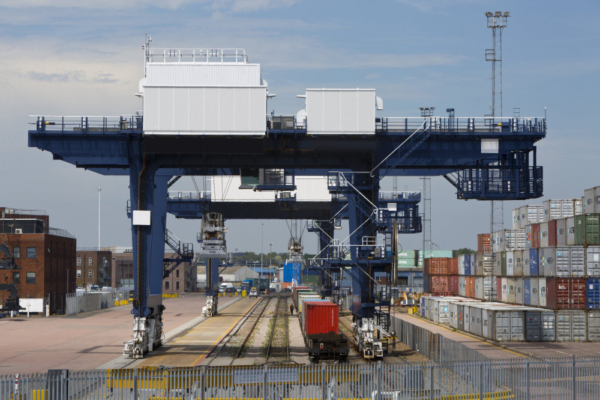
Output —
(253, 316)
(280, 350)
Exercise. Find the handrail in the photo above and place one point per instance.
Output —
(398, 147)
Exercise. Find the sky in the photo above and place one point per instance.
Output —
(72, 57)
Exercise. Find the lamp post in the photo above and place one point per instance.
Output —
(99, 190)
(270, 252)
(262, 243)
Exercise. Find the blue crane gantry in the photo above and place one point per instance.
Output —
(483, 158)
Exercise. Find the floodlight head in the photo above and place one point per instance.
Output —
(506, 14)
(498, 14)
(488, 14)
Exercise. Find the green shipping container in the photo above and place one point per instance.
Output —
(408, 254)
(503, 265)
(587, 229)
(435, 254)
(407, 262)
(302, 291)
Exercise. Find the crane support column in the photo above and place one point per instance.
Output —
(148, 196)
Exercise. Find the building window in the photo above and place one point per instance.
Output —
(31, 252)
(167, 285)
(30, 277)
(177, 273)
(17, 252)
(90, 261)
(177, 284)
(16, 277)
(90, 274)
(79, 261)
(78, 274)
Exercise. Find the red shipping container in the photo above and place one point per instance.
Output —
(453, 284)
(436, 266)
(470, 289)
(535, 236)
(320, 317)
(499, 289)
(453, 266)
(552, 233)
(484, 243)
(565, 293)
(438, 283)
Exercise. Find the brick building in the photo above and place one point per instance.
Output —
(94, 267)
(182, 279)
(44, 257)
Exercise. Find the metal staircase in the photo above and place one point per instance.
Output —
(184, 252)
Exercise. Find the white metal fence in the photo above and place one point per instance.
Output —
(93, 301)
(569, 378)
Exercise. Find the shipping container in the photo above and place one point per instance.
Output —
(453, 284)
(591, 200)
(476, 325)
(547, 264)
(470, 281)
(304, 298)
(295, 292)
(593, 326)
(504, 324)
(571, 326)
(502, 263)
(592, 261)
(302, 320)
(570, 231)
(531, 215)
(577, 261)
(587, 229)
(504, 290)
(462, 286)
(557, 209)
(484, 243)
(467, 318)
(408, 254)
(526, 263)
(407, 262)
(515, 218)
(534, 262)
(565, 293)
(510, 263)
(527, 291)
(542, 292)
(528, 238)
(497, 263)
(518, 263)
(437, 284)
(511, 294)
(540, 325)
(535, 236)
(509, 239)
(519, 291)
(578, 205)
(534, 290)
(552, 226)
(544, 235)
(461, 316)
(320, 318)
(498, 289)
(593, 294)
(479, 288)
(561, 232)
(453, 266)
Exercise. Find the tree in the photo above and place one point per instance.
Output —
(464, 251)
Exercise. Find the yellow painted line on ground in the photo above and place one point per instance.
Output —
(203, 355)
(469, 337)
(157, 360)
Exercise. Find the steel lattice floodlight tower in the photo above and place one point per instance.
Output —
(496, 21)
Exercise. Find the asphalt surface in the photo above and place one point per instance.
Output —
(83, 341)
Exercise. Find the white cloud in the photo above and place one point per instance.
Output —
(232, 5)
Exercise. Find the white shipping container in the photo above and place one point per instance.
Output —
(542, 292)
(591, 200)
(561, 232)
(534, 291)
(593, 261)
(544, 234)
(462, 286)
(511, 285)
(467, 318)
(518, 262)
(528, 237)
(340, 111)
(504, 290)
(531, 215)
(547, 262)
(510, 263)
(557, 209)
(519, 291)
(515, 218)
(578, 205)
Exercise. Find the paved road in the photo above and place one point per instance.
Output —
(82, 341)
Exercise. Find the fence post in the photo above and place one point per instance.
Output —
(135, 385)
(431, 380)
(323, 382)
(527, 378)
(265, 382)
(480, 380)
(574, 380)
(378, 380)
(202, 381)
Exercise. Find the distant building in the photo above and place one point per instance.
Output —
(228, 274)
(44, 257)
(181, 279)
(93, 268)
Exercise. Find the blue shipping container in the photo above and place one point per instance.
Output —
(527, 291)
(467, 264)
(534, 262)
(292, 270)
(593, 294)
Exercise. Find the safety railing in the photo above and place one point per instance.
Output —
(516, 183)
(400, 196)
(441, 125)
(196, 55)
(86, 124)
(202, 195)
(564, 378)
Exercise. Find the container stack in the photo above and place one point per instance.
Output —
(440, 276)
